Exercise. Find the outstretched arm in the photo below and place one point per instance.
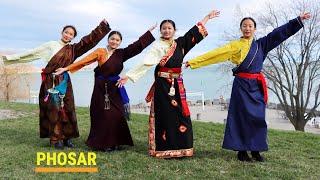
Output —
(89, 59)
(91, 40)
(138, 46)
(282, 33)
(150, 59)
(214, 56)
(211, 15)
(28, 56)
(196, 33)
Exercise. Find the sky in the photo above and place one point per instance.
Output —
(28, 24)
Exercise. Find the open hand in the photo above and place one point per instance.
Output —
(60, 71)
(213, 14)
(186, 65)
(153, 27)
(305, 16)
(122, 81)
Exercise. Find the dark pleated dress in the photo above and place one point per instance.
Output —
(246, 128)
(109, 128)
(170, 132)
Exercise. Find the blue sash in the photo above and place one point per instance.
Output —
(122, 90)
(123, 94)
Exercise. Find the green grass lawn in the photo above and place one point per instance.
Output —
(292, 155)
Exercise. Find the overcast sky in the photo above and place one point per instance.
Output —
(29, 23)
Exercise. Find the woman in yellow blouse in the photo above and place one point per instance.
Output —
(246, 129)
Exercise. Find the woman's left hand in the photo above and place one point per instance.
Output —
(305, 16)
(213, 14)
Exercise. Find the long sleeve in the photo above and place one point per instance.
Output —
(137, 47)
(192, 37)
(214, 56)
(280, 34)
(138, 71)
(89, 59)
(42, 51)
(91, 40)
(152, 58)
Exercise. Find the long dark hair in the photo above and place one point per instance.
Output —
(249, 18)
(168, 21)
(115, 32)
(72, 27)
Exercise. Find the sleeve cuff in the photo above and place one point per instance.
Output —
(192, 65)
(148, 37)
(105, 26)
(12, 57)
(300, 21)
(202, 29)
(131, 79)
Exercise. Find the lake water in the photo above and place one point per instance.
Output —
(207, 80)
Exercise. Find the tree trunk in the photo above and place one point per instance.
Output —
(7, 94)
(7, 88)
(299, 126)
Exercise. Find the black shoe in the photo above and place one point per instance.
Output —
(110, 149)
(58, 145)
(256, 156)
(68, 143)
(243, 156)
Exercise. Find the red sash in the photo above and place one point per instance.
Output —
(184, 103)
(170, 70)
(43, 75)
(260, 78)
(163, 61)
(162, 69)
(182, 92)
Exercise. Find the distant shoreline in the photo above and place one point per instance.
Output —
(218, 114)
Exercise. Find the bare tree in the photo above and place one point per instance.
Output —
(293, 68)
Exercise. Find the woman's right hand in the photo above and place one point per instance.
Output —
(122, 81)
(60, 71)
(186, 65)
